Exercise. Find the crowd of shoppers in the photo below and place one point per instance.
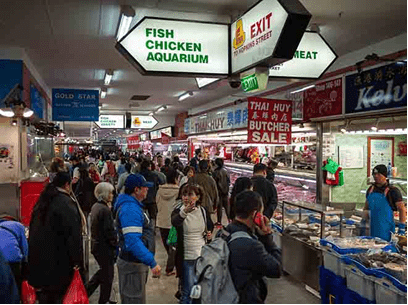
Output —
(123, 198)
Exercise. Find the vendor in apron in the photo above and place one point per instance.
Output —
(382, 200)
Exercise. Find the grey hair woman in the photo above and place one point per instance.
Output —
(103, 242)
(104, 192)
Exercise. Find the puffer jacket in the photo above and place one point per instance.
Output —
(209, 185)
(55, 246)
(250, 260)
(166, 202)
(136, 231)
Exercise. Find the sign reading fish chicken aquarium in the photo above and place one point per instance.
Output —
(111, 121)
(165, 46)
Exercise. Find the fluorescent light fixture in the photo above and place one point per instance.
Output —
(103, 93)
(126, 17)
(162, 108)
(303, 89)
(27, 112)
(108, 77)
(7, 112)
(343, 130)
(151, 113)
(185, 95)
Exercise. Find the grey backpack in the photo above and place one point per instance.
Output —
(214, 284)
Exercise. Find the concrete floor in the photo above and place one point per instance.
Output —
(161, 291)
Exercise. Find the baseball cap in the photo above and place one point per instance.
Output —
(136, 180)
(380, 169)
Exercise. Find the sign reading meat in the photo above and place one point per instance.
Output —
(269, 121)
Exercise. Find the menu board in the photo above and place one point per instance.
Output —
(380, 151)
(351, 156)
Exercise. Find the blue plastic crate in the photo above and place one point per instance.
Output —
(344, 251)
(331, 287)
(351, 297)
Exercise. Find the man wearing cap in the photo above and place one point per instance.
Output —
(136, 241)
(382, 199)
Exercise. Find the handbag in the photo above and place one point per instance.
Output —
(76, 293)
(172, 238)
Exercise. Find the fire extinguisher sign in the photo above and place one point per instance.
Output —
(269, 121)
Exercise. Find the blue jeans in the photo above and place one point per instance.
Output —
(187, 281)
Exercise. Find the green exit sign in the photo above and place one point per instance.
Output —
(249, 83)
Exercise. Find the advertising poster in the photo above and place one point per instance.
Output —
(380, 151)
(269, 121)
(297, 105)
(325, 99)
(133, 142)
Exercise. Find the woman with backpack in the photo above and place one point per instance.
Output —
(194, 227)
(109, 171)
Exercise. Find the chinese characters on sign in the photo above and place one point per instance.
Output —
(269, 121)
(380, 88)
(325, 99)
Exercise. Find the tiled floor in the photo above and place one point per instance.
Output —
(161, 291)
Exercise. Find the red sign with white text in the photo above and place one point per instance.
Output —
(325, 99)
(133, 142)
(269, 121)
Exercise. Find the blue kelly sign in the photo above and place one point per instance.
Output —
(75, 105)
(380, 88)
(37, 102)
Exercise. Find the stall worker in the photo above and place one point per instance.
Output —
(382, 200)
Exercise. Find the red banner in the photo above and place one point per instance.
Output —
(269, 121)
(179, 126)
(165, 139)
(133, 142)
(325, 99)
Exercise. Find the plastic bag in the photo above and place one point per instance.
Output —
(28, 295)
(76, 293)
(172, 238)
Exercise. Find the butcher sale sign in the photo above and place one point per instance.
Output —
(269, 121)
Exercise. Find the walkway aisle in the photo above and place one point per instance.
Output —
(161, 291)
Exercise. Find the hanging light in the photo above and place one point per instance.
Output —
(185, 95)
(27, 112)
(7, 112)
(375, 127)
(103, 92)
(108, 77)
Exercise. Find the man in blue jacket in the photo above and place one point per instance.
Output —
(136, 241)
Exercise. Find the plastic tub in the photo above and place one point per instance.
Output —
(389, 290)
(328, 244)
(360, 283)
(333, 261)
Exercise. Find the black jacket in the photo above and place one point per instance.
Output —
(84, 192)
(270, 175)
(150, 201)
(104, 239)
(250, 260)
(222, 179)
(177, 221)
(55, 246)
(267, 190)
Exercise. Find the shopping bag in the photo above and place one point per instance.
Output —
(172, 238)
(76, 293)
(28, 295)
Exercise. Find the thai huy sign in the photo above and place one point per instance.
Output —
(269, 121)
(159, 46)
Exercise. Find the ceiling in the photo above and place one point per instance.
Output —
(71, 43)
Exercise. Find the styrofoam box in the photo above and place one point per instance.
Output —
(358, 282)
(387, 293)
(332, 261)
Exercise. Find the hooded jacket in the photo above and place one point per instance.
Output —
(267, 190)
(250, 260)
(136, 231)
(166, 202)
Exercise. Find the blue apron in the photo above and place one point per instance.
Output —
(381, 216)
